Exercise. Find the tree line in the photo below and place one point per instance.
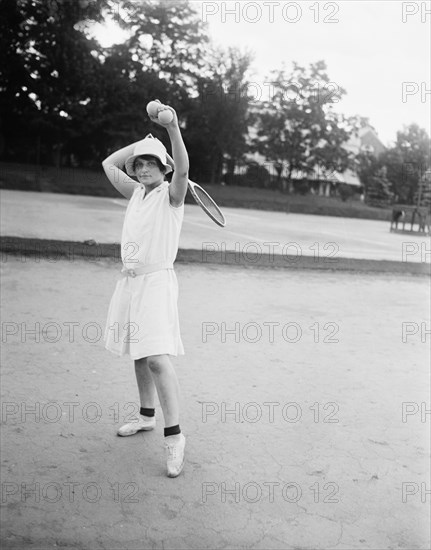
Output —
(68, 101)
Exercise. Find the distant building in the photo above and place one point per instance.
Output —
(366, 140)
(369, 141)
(324, 181)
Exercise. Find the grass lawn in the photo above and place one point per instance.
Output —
(78, 181)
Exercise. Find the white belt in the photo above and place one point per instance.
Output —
(145, 269)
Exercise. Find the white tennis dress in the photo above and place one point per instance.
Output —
(143, 313)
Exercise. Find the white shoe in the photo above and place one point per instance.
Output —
(143, 424)
(175, 445)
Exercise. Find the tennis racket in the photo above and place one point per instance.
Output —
(203, 199)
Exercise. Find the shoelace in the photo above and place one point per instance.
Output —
(172, 450)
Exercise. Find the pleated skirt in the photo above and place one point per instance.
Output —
(143, 316)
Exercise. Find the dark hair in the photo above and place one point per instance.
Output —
(150, 157)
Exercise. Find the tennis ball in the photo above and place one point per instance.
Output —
(153, 108)
(166, 116)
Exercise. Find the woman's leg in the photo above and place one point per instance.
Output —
(166, 382)
(146, 387)
(147, 393)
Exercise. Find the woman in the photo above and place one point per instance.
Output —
(143, 314)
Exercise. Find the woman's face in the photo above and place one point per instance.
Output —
(147, 171)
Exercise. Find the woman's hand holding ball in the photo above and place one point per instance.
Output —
(153, 108)
(166, 116)
(159, 113)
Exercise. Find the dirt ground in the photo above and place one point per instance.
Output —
(304, 403)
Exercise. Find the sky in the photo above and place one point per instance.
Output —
(378, 51)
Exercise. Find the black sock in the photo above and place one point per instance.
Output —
(147, 412)
(172, 430)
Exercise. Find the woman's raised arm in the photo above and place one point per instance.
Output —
(113, 166)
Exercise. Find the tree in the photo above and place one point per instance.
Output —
(368, 167)
(378, 191)
(297, 128)
(44, 57)
(116, 114)
(217, 123)
(66, 97)
(169, 38)
(423, 195)
(170, 42)
(407, 161)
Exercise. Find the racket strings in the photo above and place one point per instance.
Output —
(208, 204)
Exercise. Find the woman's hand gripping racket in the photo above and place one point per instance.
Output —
(207, 204)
